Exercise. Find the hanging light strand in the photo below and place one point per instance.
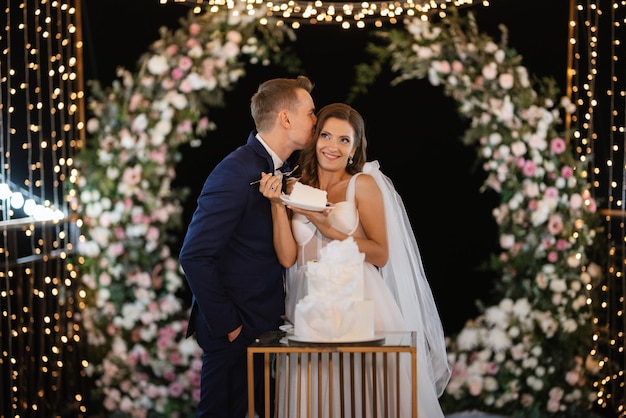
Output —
(346, 14)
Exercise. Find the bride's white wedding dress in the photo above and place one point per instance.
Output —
(432, 368)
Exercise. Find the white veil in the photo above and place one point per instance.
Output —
(404, 275)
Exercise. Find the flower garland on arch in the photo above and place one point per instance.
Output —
(512, 358)
(140, 361)
(528, 355)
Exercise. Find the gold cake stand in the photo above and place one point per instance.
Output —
(382, 354)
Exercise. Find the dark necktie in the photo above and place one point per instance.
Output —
(285, 168)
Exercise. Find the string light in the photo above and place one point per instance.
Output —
(42, 119)
(598, 90)
(345, 14)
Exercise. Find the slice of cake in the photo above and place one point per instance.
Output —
(334, 308)
(307, 195)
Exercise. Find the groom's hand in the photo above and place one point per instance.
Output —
(232, 336)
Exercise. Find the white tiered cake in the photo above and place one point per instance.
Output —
(334, 308)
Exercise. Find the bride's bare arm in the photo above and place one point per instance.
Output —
(369, 202)
(284, 243)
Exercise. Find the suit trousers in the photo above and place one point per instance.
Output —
(224, 382)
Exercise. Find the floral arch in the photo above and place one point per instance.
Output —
(529, 352)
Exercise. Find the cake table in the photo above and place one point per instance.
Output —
(278, 344)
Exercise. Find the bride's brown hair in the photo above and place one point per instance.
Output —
(308, 157)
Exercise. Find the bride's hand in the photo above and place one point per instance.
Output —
(319, 219)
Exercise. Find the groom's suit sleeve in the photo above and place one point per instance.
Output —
(220, 205)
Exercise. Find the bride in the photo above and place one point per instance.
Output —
(335, 161)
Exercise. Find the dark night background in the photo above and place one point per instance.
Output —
(413, 129)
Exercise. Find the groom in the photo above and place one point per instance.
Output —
(228, 255)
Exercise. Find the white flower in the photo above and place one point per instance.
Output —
(195, 52)
(149, 332)
(140, 123)
(536, 350)
(530, 363)
(162, 128)
(569, 325)
(506, 81)
(93, 125)
(157, 64)
(558, 285)
(105, 157)
(522, 75)
(573, 260)
(112, 173)
(468, 339)
(507, 241)
(534, 382)
(490, 71)
(547, 323)
(504, 110)
(498, 339)
(521, 308)
(101, 236)
(536, 141)
(89, 249)
(530, 188)
(103, 296)
(475, 385)
(188, 347)
(541, 213)
(496, 316)
(514, 332)
(433, 77)
(518, 148)
(230, 50)
(195, 82)
(494, 139)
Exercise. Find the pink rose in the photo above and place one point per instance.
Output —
(561, 245)
(171, 50)
(567, 172)
(175, 389)
(177, 73)
(555, 224)
(557, 145)
(553, 256)
(194, 29)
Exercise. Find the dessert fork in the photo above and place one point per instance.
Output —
(285, 174)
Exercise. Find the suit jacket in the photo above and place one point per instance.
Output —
(228, 256)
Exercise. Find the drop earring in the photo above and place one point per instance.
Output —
(350, 160)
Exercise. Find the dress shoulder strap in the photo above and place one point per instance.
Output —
(351, 190)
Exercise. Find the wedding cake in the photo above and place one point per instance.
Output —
(334, 308)
(301, 193)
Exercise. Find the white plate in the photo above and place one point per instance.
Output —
(287, 200)
(376, 340)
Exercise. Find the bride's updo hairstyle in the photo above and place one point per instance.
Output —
(308, 157)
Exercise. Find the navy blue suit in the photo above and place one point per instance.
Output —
(231, 267)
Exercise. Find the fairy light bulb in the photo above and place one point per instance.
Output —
(5, 191)
(17, 200)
